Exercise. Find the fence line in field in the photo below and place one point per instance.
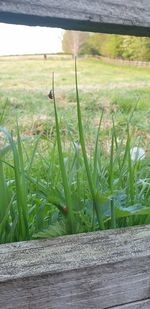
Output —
(127, 62)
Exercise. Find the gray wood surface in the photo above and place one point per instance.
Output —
(110, 16)
(94, 270)
(144, 304)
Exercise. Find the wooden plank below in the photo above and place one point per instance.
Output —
(94, 270)
(109, 16)
(144, 304)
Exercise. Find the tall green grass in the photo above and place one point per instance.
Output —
(17, 223)
(68, 208)
(46, 191)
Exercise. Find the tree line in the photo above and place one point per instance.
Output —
(107, 45)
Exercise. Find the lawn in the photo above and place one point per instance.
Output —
(25, 83)
(48, 193)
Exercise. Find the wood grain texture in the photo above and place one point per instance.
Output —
(144, 304)
(93, 270)
(109, 16)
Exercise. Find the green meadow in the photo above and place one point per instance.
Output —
(72, 164)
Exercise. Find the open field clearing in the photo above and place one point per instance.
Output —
(100, 182)
(25, 83)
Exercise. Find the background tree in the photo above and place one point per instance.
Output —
(111, 46)
(107, 45)
(92, 44)
(73, 41)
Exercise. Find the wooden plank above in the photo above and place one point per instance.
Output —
(130, 17)
(93, 270)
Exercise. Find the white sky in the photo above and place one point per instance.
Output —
(17, 39)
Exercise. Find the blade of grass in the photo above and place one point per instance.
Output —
(2, 115)
(23, 231)
(96, 204)
(4, 197)
(130, 167)
(21, 186)
(33, 153)
(70, 221)
(113, 221)
(96, 149)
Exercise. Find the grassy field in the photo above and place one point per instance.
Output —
(105, 187)
(24, 84)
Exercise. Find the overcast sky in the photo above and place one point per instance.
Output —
(16, 39)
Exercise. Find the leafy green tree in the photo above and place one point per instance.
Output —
(107, 45)
(112, 46)
(73, 41)
(93, 44)
(143, 49)
(135, 48)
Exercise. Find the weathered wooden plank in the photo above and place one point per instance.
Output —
(109, 16)
(144, 304)
(94, 270)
